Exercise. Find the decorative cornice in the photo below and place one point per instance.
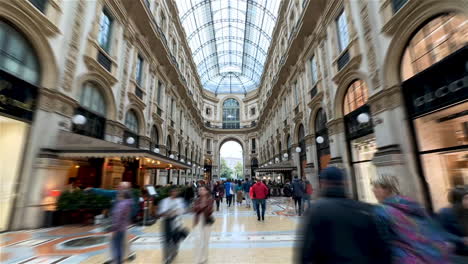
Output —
(386, 99)
(335, 126)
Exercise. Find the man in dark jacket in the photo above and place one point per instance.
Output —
(340, 230)
(298, 193)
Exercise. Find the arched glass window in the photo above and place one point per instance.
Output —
(179, 149)
(131, 122)
(321, 134)
(355, 97)
(436, 40)
(302, 154)
(92, 99)
(169, 145)
(17, 56)
(154, 136)
(231, 114)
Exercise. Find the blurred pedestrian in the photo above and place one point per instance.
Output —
(246, 188)
(121, 214)
(239, 193)
(308, 193)
(298, 193)
(412, 235)
(229, 192)
(170, 209)
(113, 194)
(337, 229)
(454, 219)
(203, 209)
(218, 192)
(259, 194)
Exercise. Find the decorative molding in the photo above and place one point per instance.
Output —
(74, 47)
(335, 126)
(48, 26)
(53, 101)
(124, 81)
(386, 99)
(369, 46)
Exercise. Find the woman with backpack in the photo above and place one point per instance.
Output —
(414, 238)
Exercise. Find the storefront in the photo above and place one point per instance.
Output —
(19, 78)
(437, 103)
(360, 139)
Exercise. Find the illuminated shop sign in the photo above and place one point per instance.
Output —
(18, 98)
(443, 84)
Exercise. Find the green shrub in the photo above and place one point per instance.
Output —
(80, 200)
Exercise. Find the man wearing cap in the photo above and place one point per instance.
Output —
(338, 229)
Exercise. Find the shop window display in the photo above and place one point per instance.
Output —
(361, 140)
(435, 77)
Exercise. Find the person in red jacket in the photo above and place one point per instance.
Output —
(259, 195)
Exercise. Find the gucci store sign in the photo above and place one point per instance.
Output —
(443, 84)
(18, 98)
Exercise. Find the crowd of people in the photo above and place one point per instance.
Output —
(335, 228)
(398, 230)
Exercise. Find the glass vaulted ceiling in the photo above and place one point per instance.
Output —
(229, 40)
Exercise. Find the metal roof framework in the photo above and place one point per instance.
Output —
(229, 40)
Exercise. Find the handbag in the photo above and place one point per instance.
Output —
(209, 220)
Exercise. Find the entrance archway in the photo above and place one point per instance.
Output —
(231, 160)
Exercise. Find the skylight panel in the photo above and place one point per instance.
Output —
(229, 40)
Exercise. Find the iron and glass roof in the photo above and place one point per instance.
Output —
(229, 40)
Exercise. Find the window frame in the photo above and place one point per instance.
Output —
(313, 70)
(139, 70)
(107, 45)
(341, 45)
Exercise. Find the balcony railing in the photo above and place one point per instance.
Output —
(40, 4)
(139, 92)
(104, 60)
(398, 4)
(94, 126)
(313, 92)
(343, 60)
(230, 126)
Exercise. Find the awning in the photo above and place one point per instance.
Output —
(160, 161)
(72, 145)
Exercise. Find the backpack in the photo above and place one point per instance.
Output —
(309, 189)
(287, 190)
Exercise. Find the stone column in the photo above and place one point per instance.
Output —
(49, 174)
(312, 167)
(394, 144)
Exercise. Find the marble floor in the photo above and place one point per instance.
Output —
(236, 237)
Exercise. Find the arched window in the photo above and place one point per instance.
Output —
(356, 96)
(231, 114)
(168, 145)
(131, 121)
(17, 56)
(93, 108)
(179, 149)
(436, 40)
(321, 138)
(289, 145)
(92, 99)
(154, 137)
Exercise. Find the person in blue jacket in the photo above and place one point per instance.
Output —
(229, 192)
(246, 188)
(454, 219)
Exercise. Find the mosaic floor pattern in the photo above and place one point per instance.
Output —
(236, 237)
